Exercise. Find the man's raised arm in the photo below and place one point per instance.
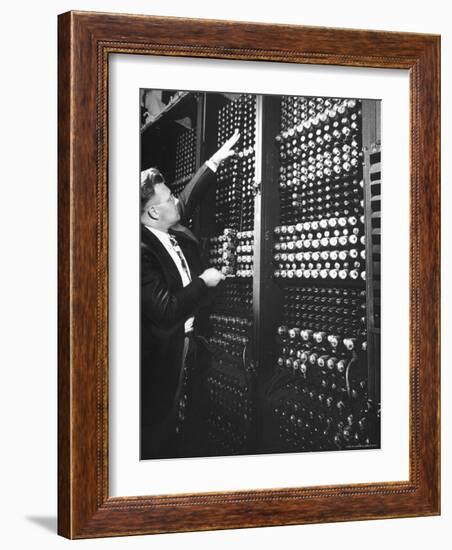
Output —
(194, 191)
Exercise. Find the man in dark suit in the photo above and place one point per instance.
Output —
(174, 287)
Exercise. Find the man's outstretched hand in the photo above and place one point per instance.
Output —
(212, 277)
(226, 150)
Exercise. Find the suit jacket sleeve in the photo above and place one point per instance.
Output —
(194, 191)
(164, 308)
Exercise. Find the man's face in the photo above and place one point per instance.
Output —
(163, 206)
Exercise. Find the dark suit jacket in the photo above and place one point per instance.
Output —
(165, 305)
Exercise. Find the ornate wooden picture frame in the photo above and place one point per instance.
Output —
(86, 40)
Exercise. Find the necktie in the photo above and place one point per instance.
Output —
(178, 251)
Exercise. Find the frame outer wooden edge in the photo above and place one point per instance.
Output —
(79, 228)
(428, 235)
(84, 509)
(64, 294)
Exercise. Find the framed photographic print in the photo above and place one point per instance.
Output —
(248, 275)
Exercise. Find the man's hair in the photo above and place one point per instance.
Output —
(149, 179)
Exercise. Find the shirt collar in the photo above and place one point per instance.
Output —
(162, 235)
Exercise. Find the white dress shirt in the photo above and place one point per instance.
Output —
(164, 238)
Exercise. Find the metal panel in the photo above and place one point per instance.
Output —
(370, 111)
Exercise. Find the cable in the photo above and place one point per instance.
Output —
(347, 373)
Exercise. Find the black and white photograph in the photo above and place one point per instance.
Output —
(260, 273)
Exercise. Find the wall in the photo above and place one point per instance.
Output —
(28, 258)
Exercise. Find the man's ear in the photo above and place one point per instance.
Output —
(152, 213)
